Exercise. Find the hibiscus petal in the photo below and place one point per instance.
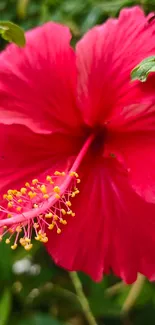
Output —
(137, 153)
(131, 138)
(81, 245)
(37, 83)
(133, 238)
(105, 57)
(25, 154)
(109, 230)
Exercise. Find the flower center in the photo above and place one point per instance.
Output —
(97, 144)
(40, 205)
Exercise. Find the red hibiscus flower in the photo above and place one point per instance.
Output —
(77, 149)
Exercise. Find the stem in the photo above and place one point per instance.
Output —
(82, 298)
(113, 290)
(133, 294)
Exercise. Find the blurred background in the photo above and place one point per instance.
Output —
(33, 291)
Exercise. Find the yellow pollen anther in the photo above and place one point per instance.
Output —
(28, 247)
(37, 238)
(22, 241)
(57, 196)
(18, 229)
(4, 196)
(7, 241)
(48, 178)
(48, 215)
(23, 190)
(14, 192)
(43, 189)
(76, 192)
(44, 240)
(57, 173)
(51, 226)
(14, 246)
(35, 205)
(63, 211)
(10, 192)
(73, 214)
(10, 204)
(64, 222)
(18, 209)
(68, 203)
(9, 215)
(27, 240)
(35, 181)
(18, 194)
(20, 201)
(56, 189)
(74, 174)
(78, 180)
(9, 197)
(71, 174)
(55, 217)
(69, 212)
(31, 194)
(46, 196)
(58, 231)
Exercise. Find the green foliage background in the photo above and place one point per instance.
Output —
(33, 291)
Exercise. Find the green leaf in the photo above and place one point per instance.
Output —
(5, 265)
(12, 33)
(142, 70)
(5, 306)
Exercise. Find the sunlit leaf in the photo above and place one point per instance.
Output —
(142, 70)
(12, 33)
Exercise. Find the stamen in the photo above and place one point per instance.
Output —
(33, 197)
(38, 206)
